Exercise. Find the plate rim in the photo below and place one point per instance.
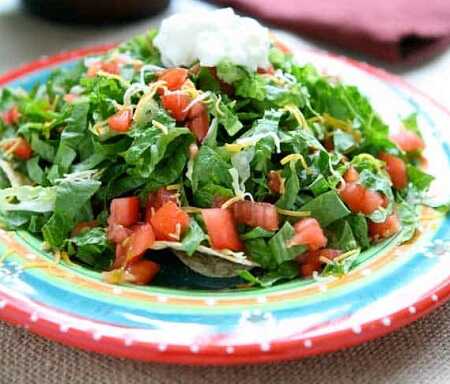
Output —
(11, 310)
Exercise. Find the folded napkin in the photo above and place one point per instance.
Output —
(392, 30)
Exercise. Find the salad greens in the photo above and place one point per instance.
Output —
(267, 175)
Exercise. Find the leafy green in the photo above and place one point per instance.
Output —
(92, 248)
(340, 236)
(360, 229)
(193, 237)
(420, 179)
(278, 245)
(326, 208)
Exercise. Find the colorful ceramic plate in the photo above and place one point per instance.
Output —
(388, 289)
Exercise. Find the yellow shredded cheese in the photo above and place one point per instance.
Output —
(294, 157)
(160, 126)
(231, 201)
(234, 148)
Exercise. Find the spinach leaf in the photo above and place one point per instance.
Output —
(360, 229)
(257, 233)
(210, 167)
(279, 248)
(420, 179)
(326, 208)
(340, 236)
(193, 237)
(92, 248)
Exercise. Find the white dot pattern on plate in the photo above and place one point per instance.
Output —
(366, 272)
(117, 290)
(194, 348)
(162, 299)
(261, 299)
(162, 347)
(265, 346)
(356, 329)
(229, 349)
(2, 304)
(63, 328)
(386, 321)
(434, 297)
(96, 336)
(307, 343)
(210, 301)
(30, 256)
(412, 310)
(34, 317)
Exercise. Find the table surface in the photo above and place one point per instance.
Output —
(419, 353)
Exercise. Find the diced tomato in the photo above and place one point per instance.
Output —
(396, 168)
(275, 182)
(70, 97)
(408, 141)
(308, 232)
(121, 120)
(311, 260)
(11, 116)
(139, 241)
(176, 104)
(221, 229)
(170, 222)
(174, 77)
(196, 110)
(93, 69)
(142, 271)
(269, 70)
(218, 201)
(124, 211)
(382, 230)
(351, 175)
(83, 226)
(118, 233)
(360, 199)
(111, 66)
(255, 214)
(199, 125)
(19, 147)
(157, 199)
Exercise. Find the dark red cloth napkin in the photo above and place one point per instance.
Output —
(392, 30)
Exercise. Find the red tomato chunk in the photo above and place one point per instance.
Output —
(396, 168)
(121, 120)
(170, 222)
(124, 211)
(309, 233)
(387, 229)
(256, 214)
(221, 229)
(143, 271)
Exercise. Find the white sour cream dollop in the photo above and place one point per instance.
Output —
(213, 36)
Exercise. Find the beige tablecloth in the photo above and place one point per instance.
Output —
(419, 353)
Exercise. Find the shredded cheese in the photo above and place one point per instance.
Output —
(298, 115)
(294, 157)
(201, 96)
(164, 129)
(287, 212)
(189, 209)
(236, 147)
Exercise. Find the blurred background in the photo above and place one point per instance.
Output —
(408, 37)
